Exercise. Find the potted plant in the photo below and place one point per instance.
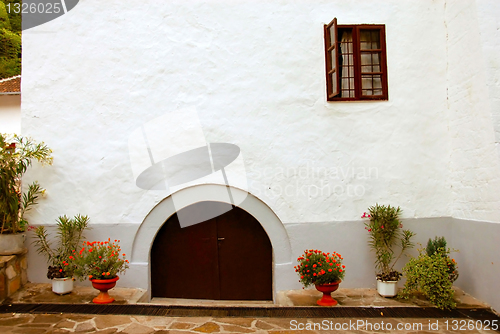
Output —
(16, 155)
(100, 261)
(324, 270)
(69, 233)
(385, 230)
(432, 273)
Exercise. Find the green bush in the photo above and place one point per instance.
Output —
(429, 275)
(438, 245)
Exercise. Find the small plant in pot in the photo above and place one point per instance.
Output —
(324, 270)
(386, 233)
(69, 235)
(100, 261)
(16, 155)
(432, 274)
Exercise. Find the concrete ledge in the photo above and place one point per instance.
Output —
(13, 273)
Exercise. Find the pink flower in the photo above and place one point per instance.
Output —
(369, 230)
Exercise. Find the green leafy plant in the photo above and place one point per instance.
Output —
(385, 229)
(99, 260)
(69, 235)
(317, 267)
(16, 155)
(430, 275)
(438, 245)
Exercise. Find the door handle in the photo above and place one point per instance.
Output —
(220, 239)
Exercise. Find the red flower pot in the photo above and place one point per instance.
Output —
(103, 285)
(327, 290)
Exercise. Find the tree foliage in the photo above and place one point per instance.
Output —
(4, 18)
(10, 40)
(14, 18)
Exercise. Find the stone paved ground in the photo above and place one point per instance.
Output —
(42, 293)
(106, 324)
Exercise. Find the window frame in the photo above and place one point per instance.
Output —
(333, 88)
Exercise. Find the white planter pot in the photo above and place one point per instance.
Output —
(388, 288)
(62, 286)
(11, 244)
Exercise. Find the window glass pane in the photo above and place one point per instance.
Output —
(371, 85)
(366, 82)
(370, 62)
(368, 58)
(348, 93)
(346, 63)
(369, 39)
(346, 41)
(370, 68)
(334, 82)
(371, 92)
(333, 35)
(332, 57)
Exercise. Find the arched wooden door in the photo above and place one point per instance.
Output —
(225, 258)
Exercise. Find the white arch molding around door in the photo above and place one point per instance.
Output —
(143, 241)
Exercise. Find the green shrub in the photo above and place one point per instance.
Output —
(438, 245)
(429, 275)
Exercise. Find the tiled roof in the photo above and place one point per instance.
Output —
(11, 85)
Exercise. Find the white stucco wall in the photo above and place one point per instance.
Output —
(254, 74)
(256, 81)
(10, 113)
(489, 35)
(472, 103)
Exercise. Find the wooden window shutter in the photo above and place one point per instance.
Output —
(332, 60)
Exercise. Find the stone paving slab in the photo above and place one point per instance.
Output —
(42, 293)
(109, 324)
(68, 323)
(368, 298)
